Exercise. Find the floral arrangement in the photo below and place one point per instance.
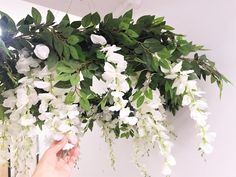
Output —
(121, 74)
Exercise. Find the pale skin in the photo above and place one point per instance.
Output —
(54, 163)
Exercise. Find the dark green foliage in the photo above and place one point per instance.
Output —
(147, 44)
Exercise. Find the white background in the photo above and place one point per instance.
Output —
(208, 22)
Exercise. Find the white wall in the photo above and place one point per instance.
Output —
(208, 22)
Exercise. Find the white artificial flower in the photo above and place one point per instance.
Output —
(32, 95)
(9, 102)
(27, 120)
(110, 72)
(97, 39)
(22, 97)
(41, 51)
(42, 73)
(177, 68)
(206, 148)
(73, 114)
(166, 170)
(121, 66)
(64, 126)
(81, 76)
(110, 49)
(98, 86)
(45, 116)
(210, 136)
(68, 146)
(171, 160)
(201, 104)
(115, 58)
(23, 64)
(124, 116)
(119, 102)
(45, 98)
(42, 85)
(186, 100)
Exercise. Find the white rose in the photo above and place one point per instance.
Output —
(96, 39)
(41, 51)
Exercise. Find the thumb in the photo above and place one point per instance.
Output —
(56, 147)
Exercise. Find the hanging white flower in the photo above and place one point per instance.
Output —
(42, 85)
(41, 51)
(98, 86)
(97, 39)
(27, 120)
(124, 116)
(23, 64)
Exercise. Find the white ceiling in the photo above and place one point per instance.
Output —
(83, 7)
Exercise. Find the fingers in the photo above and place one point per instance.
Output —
(73, 156)
(58, 146)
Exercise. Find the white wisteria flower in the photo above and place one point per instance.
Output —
(98, 86)
(97, 39)
(124, 116)
(42, 51)
(24, 64)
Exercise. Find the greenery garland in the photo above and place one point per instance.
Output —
(118, 73)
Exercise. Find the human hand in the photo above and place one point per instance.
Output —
(55, 163)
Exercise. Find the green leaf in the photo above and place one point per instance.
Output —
(2, 114)
(100, 55)
(129, 14)
(108, 18)
(124, 24)
(10, 25)
(46, 35)
(50, 17)
(95, 19)
(76, 24)
(164, 63)
(84, 103)
(70, 98)
(131, 33)
(140, 101)
(58, 44)
(66, 52)
(81, 54)
(168, 28)
(66, 31)
(90, 125)
(136, 95)
(86, 20)
(36, 15)
(74, 52)
(145, 21)
(52, 60)
(148, 93)
(158, 20)
(3, 48)
(104, 101)
(153, 45)
(164, 53)
(126, 40)
(141, 79)
(62, 68)
(73, 39)
(75, 78)
(63, 77)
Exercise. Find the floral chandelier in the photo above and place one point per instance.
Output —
(120, 74)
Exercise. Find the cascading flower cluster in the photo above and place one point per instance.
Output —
(60, 119)
(192, 97)
(61, 78)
